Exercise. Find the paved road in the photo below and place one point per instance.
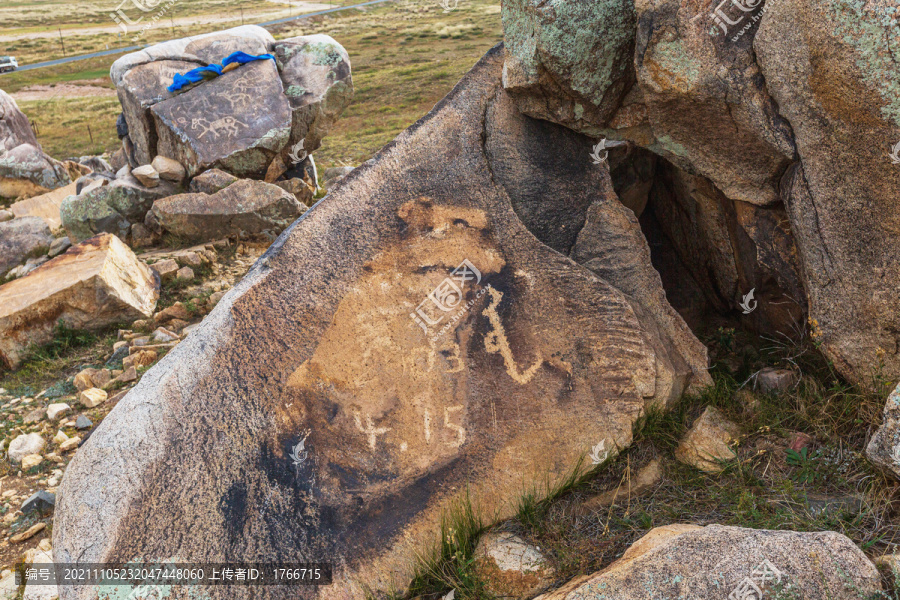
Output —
(60, 61)
(69, 59)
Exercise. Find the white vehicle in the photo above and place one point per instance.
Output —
(8, 63)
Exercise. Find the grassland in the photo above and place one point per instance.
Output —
(405, 57)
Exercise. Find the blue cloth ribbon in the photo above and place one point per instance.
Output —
(201, 73)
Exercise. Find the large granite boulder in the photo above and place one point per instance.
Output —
(21, 239)
(15, 129)
(24, 168)
(141, 77)
(219, 123)
(406, 344)
(111, 208)
(92, 285)
(26, 171)
(716, 562)
(745, 106)
(315, 70)
(828, 67)
(884, 447)
(246, 206)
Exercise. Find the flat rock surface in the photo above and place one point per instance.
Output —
(93, 284)
(219, 124)
(406, 342)
(14, 126)
(45, 206)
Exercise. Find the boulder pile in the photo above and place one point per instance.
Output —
(218, 124)
(24, 168)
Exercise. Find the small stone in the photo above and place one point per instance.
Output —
(31, 460)
(192, 259)
(890, 563)
(69, 444)
(166, 268)
(708, 443)
(115, 361)
(142, 236)
(6, 215)
(510, 567)
(83, 422)
(29, 533)
(772, 381)
(57, 411)
(25, 444)
(169, 169)
(59, 246)
(141, 341)
(45, 544)
(799, 441)
(34, 416)
(127, 376)
(60, 437)
(8, 587)
(176, 311)
(92, 397)
(214, 299)
(83, 380)
(147, 175)
(117, 345)
(143, 358)
(717, 562)
(54, 457)
(824, 504)
(39, 501)
(162, 335)
(184, 274)
(176, 325)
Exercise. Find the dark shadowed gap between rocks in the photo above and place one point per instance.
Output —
(711, 251)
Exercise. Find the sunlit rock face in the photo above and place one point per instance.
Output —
(407, 343)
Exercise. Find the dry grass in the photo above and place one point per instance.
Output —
(761, 489)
